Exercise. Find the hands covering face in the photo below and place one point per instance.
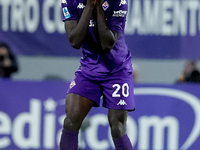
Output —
(94, 2)
(99, 1)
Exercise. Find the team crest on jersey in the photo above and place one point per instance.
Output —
(66, 13)
(72, 84)
(123, 2)
(105, 5)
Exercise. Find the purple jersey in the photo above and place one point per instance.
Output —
(95, 64)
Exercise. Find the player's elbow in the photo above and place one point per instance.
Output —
(75, 45)
(107, 47)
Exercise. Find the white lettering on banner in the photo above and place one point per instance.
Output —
(5, 14)
(102, 120)
(179, 19)
(159, 125)
(5, 129)
(194, 7)
(49, 130)
(51, 25)
(24, 15)
(163, 17)
(145, 17)
(46, 121)
(167, 17)
(58, 18)
(33, 119)
(31, 15)
(61, 121)
(17, 15)
(190, 99)
(48, 24)
(92, 132)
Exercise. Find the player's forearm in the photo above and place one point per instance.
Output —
(106, 36)
(78, 34)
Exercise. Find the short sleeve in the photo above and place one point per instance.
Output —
(118, 13)
(69, 12)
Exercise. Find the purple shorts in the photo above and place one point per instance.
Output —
(116, 92)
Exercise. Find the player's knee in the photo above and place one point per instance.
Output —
(71, 124)
(118, 129)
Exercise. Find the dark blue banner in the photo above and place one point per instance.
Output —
(155, 28)
(167, 117)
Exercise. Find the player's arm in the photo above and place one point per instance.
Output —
(107, 37)
(77, 30)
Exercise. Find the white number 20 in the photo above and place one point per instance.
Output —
(125, 90)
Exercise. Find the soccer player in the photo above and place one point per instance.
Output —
(97, 28)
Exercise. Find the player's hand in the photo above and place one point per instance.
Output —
(99, 1)
(91, 2)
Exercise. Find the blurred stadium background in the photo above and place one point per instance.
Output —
(162, 36)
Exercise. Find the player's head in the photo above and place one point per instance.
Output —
(194, 76)
(4, 48)
(190, 66)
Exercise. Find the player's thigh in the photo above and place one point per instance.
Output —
(117, 121)
(116, 117)
(77, 107)
(86, 88)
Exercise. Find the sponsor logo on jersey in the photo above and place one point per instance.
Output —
(105, 5)
(64, 1)
(92, 23)
(121, 102)
(66, 13)
(81, 6)
(119, 13)
(123, 2)
(72, 84)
